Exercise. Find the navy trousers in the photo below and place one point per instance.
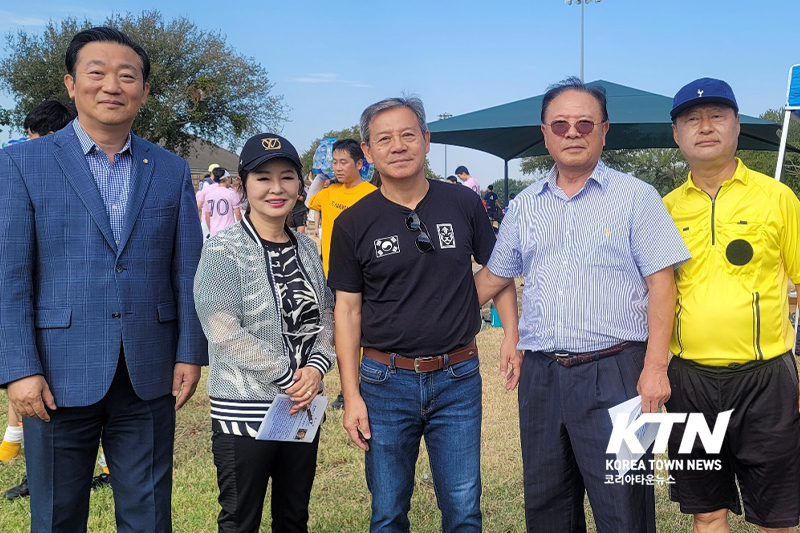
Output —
(138, 441)
(565, 427)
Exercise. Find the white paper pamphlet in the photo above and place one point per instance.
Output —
(646, 434)
(279, 425)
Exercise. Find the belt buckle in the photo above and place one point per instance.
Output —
(423, 359)
(562, 354)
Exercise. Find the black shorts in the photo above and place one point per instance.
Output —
(762, 442)
(299, 215)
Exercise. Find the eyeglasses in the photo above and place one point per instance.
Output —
(584, 127)
(423, 242)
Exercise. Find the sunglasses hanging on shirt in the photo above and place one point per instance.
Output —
(423, 242)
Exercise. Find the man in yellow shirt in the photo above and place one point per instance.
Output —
(732, 339)
(347, 162)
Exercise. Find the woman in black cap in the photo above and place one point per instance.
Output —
(265, 308)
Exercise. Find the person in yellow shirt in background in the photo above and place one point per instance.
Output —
(348, 189)
(732, 340)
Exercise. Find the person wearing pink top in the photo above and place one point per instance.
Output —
(221, 205)
(200, 196)
(467, 180)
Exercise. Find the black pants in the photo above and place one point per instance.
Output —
(565, 427)
(245, 465)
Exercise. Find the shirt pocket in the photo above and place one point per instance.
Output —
(742, 249)
(610, 248)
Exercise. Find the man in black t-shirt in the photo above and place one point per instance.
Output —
(492, 203)
(401, 266)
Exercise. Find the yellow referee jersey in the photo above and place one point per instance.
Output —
(732, 294)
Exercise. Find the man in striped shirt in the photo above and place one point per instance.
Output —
(597, 249)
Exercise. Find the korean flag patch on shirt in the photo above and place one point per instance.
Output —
(387, 246)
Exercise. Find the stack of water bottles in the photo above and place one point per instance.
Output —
(322, 162)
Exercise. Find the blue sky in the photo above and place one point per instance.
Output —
(331, 59)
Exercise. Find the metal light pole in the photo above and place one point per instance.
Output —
(445, 116)
(581, 3)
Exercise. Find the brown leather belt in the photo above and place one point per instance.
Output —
(424, 364)
(572, 359)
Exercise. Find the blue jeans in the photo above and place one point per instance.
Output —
(444, 406)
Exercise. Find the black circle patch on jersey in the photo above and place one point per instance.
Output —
(739, 252)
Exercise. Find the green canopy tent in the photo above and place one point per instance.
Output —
(639, 119)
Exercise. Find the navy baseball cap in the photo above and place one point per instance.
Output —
(266, 146)
(703, 91)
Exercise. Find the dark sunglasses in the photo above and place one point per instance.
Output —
(584, 127)
(423, 242)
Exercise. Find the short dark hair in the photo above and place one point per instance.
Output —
(103, 34)
(49, 116)
(489, 188)
(462, 170)
(218, 173)
(352, 147)
(452, 178)
(574, 83)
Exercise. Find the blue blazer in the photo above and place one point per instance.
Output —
(70, 296)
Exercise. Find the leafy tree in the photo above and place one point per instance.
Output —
(5, 117)
(353, 132)
(199, 85)
(430, 174)
(514, 187)
(765, 162)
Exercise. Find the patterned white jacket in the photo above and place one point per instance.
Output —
(239, 309)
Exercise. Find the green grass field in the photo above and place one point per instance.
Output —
(340, 500)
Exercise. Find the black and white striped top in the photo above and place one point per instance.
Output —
(299, 309)
(238, 417)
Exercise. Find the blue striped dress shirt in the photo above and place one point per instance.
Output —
(113, 179)
(584, 259)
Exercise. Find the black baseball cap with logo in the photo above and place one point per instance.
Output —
(266, 146)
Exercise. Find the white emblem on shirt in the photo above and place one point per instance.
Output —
(387, 246)
(447, 238)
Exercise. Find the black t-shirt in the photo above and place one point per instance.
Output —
(414, 304)
(491, 201)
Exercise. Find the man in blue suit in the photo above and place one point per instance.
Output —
(99, 243)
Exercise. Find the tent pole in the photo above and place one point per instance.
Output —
(505, 163)
(782, 149)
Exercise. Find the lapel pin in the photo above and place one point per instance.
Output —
(144, 161)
